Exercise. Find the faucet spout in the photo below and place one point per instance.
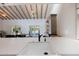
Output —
(39, 37)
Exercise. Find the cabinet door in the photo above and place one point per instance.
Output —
(53, 24)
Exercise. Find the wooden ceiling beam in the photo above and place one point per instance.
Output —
(15, 12)
(7, 15)
(19, 12)
(23, 12)
(1, 18)
(46, 11)
(36, 11)
(31, 7)
(28, 12)
(10, 12)
(41, 10)
(31, 10)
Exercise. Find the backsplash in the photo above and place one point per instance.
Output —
(24, 24)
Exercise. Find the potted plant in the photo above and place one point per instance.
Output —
(16, 30)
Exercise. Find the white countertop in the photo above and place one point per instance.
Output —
(64, 46)
(12, 46)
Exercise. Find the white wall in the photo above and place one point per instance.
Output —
(55, 8)
(77, 26)
(66, 21)
(8, 24)
(0, 24)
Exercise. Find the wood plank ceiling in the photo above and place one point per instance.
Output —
(23, 11)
